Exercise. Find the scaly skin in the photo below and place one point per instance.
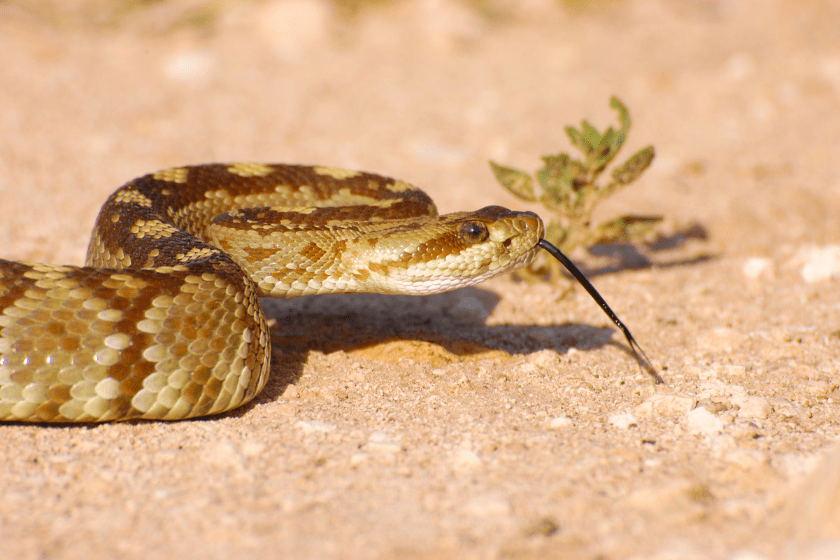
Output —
(164, 320)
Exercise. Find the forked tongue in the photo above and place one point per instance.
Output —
(640, 355)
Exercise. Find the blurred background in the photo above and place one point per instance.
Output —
(738, 97)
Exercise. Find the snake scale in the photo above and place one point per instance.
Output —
(164, 322)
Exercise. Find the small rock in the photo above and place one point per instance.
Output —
(752, 407)
(291, 392)
(487, 505)
(224, 455)
(665, 404)
(527, 368)
(252, 448)
(544, 358)
(819, 389)
(560, 422)
(381, 441)
(623, 421)
(819, 263)
(748, 459)
(357, 459)
(756, 266)
(701, 421)
(466, 459)
(314, 426)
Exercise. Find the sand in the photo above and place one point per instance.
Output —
(506, 420)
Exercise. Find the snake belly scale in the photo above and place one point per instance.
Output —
(164, 319)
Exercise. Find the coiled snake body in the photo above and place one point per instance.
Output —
(164, 321)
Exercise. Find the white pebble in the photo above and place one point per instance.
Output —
(224, 455)
(311, 426)
(560, 422)
(820, 263)
(623, 421)
(466, 459)
(701, 421)
(487, 505)
(754, 267)
(381, 441)
(752, 407)
(544, 358)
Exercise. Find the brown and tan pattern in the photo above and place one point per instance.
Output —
(164, 320)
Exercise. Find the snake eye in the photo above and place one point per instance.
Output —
(474, 232)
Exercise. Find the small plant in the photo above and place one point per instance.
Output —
(569, 189)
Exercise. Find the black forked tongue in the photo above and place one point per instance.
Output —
(640, 355)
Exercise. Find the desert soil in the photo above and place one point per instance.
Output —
(502, 421)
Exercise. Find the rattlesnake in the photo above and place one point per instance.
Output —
(164, 321)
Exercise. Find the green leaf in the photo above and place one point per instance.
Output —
(551, 176)
(591, 136)
(517, 182)
(577, 140)
(623, 114)
(631, 169)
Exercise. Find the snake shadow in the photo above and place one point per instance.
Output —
(453, 320)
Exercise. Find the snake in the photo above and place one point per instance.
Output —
(163, 322)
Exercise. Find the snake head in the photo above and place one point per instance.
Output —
(291, 252)
(436, 254)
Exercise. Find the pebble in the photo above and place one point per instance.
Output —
(666, 404)
(752, 407)
(466, 459)
(819, 263)
(755, 267)
(701, 421)
(560, 422)
(224, 455)
(747, 459)
(313, 426)
(544, 358)
(381, 441)
(623, 421)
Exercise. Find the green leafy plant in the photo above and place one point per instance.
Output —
(569, 188)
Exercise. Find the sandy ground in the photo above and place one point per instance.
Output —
(503, 421)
